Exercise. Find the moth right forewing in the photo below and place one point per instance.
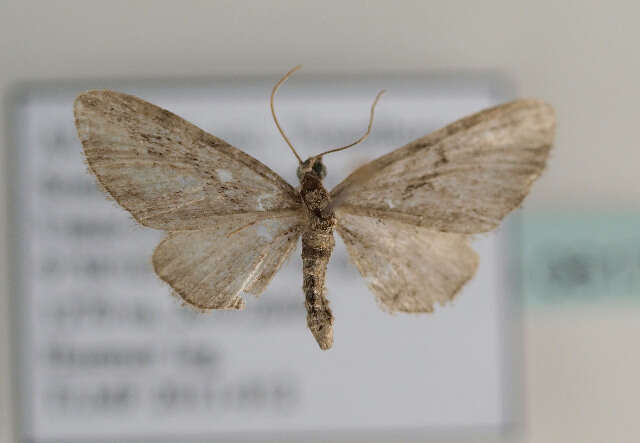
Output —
(408, 268)
(463, 178)
(167, 172)
(209, 268)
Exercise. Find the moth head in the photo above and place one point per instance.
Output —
(313, 165)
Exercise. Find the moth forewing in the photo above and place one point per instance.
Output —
(462, 178)
(168, 173)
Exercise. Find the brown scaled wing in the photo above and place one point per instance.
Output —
(171, 175)
(406, 216)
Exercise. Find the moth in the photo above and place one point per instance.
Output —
(405, 218)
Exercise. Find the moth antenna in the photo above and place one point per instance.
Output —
(366, 134)
(273, 112)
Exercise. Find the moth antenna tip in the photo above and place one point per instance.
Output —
(366, 134)
(273, 112)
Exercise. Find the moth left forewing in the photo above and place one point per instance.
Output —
(209, 268)
(408, 268)
(168, 173)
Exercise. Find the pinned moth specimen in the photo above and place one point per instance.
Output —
(231, 222)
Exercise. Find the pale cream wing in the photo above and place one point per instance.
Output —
(167, 172)
(209, 268)
(463, 178)
(409, 268)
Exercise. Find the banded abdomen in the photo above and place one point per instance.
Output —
(317, 245)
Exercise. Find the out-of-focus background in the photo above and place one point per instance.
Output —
(580, 326)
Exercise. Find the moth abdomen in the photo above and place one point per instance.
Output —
(317, 246)
(316, 252)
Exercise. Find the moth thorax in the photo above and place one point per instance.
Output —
(313, 165)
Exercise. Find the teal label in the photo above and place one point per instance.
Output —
(581, 257)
